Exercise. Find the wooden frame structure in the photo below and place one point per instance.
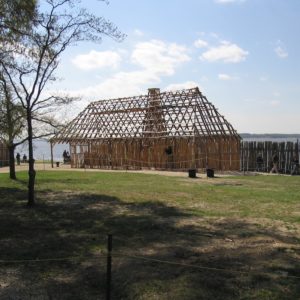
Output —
(161, 130)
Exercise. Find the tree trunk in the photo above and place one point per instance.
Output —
(12, 169)
(31, 171)
(10, 133)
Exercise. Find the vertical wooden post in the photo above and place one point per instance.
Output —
(125, 154)
(286, 156)
(242, 156)
(267, 165)
(193, 166)
(70, 152)
(297, 150)
(51, 150)
(108, 267)
(248, 157)
(230, 155)
(89, 160)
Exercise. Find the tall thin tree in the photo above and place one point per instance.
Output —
(16, 17)
(12, 124)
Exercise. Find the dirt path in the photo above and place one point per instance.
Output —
(63, 167)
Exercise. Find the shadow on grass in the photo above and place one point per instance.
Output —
(76, 224)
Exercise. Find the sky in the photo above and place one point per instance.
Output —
(242, 54)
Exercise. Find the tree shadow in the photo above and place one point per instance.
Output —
(75, 226)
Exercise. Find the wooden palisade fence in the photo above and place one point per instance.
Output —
(185, 153)
(286, 151)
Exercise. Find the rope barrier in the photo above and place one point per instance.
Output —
(37, 260)
(162, 163)
(200, 267)
(154, 260)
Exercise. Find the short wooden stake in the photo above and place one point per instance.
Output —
(108, 266)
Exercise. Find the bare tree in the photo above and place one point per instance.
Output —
(30, 64)
(16, 16)
(12, 124)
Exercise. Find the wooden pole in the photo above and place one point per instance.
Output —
(298, 150)
(51, 150)
(286, 156)
(108, 267)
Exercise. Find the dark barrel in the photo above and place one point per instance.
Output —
(192, 173)
(210, 173)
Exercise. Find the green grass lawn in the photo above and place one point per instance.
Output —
(249, 225)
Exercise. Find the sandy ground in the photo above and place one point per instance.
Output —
(63, 167)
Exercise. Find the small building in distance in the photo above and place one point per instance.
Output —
(175, 130)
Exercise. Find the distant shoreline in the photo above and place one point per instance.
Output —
(270, 136)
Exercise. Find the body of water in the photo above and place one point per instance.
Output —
(42, 150)
(266, 139)
(42, 147)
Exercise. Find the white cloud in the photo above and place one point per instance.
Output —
(214, 35)
(200, 44)
(97, 60)
(227, 77)
(281, 52)
(226, 52)
(120, 85)
(274, 103)
(202, 33)
(138, 32)
(181, 86)
(263, 78)
(154, 59)
(159, 57)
